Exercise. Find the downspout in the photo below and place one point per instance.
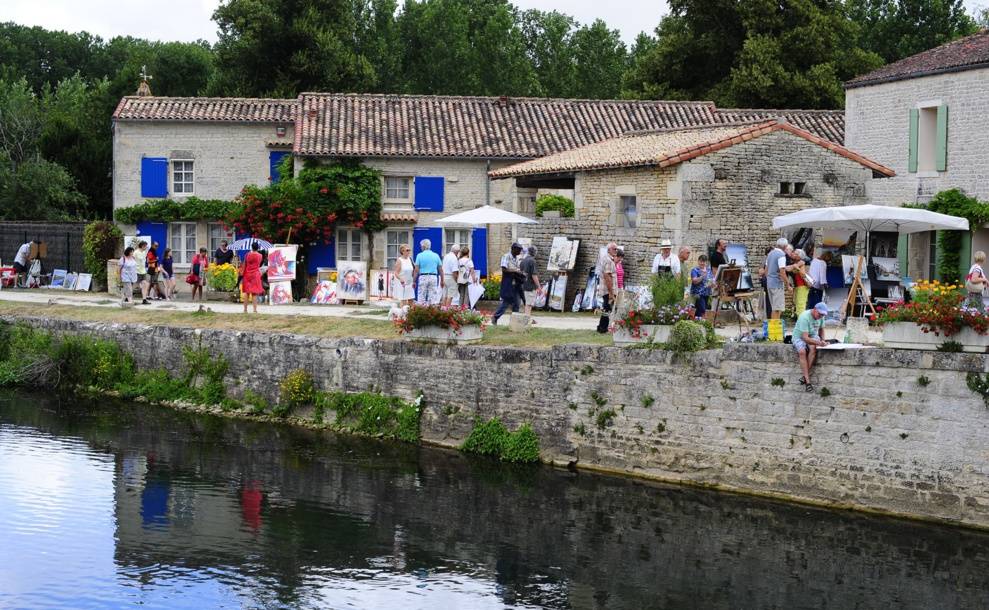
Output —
(487, 201)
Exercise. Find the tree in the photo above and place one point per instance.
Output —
(600, 57)
(379, 41)
(895, 29)
(20, 122)
(549, 47)
(278, 48)
(39, 190)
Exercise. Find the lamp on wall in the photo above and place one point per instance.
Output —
(280, 132)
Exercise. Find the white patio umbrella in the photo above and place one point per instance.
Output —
(486, 215)
(871, 218)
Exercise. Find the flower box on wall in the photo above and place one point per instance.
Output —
(658, 333)
(908, 335)
(438, 334)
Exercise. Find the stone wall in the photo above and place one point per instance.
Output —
(882, 440)
(731, 193)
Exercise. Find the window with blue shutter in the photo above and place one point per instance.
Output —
(274, 160)
(429, 195)
(479, 251)
(154, 177)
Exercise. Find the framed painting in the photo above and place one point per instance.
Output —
(352, 280)
(562, 254)
(325, 293)
(85, 281)
(280, 293)
(379, 285)
(70, 281)
(281, 263)
(58, 278)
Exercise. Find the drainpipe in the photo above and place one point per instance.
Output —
(487, 201)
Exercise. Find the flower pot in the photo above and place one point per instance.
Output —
(659, 333)
(551, 214)
(438, 334)
(907, 335)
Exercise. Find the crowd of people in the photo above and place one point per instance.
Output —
(429, 279)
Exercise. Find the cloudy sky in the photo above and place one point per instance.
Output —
(190, 19)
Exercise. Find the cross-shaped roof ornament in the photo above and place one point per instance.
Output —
(144, 73)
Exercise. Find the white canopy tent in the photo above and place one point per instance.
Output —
(871, 218)
(485, 215)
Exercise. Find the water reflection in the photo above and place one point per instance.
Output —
(116, 505)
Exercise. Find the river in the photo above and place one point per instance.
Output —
(115, 505)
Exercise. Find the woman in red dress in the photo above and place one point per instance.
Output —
(251, 282)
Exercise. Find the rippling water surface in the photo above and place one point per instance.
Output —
(116, 506)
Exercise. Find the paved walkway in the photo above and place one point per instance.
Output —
(89, 299)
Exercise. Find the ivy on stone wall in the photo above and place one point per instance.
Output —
(170, 210)
(954, 202)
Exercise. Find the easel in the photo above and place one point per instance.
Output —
(857, 294)
(726, 289)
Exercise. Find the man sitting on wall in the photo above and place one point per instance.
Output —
(426, 274)
(808, 335)
(451, 269)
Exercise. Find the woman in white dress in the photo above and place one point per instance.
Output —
(404, 287)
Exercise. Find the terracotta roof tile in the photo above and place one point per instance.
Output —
(963, 54)
(828, 124)
(399, 216)
(668, 147)
(210, 109)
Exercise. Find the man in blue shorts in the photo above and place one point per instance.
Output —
(808, 335)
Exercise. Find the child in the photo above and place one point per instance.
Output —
(700, 285)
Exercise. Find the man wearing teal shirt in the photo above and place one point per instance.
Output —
(427, 266)
(808, 335)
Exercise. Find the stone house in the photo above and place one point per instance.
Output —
(435, 153)
(692, 186)
(926, 117)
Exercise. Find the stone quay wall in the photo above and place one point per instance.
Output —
(899, 433)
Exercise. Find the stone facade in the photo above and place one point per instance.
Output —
(880, 441)
(877, 125)
(732, 193)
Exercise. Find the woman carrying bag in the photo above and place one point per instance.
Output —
(975, 282)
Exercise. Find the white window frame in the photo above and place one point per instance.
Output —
(397, 198)
(391, 246)
(182, 231)
(187, 174)
(345, 236)
(627, 222)
(456, 235)
(229, 236)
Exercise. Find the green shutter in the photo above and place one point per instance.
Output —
(914, 132)
(965, 256)
(941, 159)
(903, 254)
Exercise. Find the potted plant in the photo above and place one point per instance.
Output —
(439, 324)
(653, 323)
(222, 278)
(936, 313)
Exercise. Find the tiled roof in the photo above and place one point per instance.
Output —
(962, 54)
(669, 147)
(399, 216)
(828, 124)
(218, 109)
(364, 125)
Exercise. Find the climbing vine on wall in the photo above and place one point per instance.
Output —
(949, 243)
(170, 210)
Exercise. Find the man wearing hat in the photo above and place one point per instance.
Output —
(665, 262)
(808, 335)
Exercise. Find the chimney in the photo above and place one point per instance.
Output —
(504, 101)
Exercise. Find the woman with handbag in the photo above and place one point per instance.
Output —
(975, 281)
(197, 279)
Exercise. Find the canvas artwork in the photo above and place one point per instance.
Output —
(70, 281)
(280, 293)
(58, 278)
(352, 280)
(379, 285)
(577, 301)
(281, 263)
(737, 253)
(590, 293)
(848, 263)
(887, 269)
(559, 291)
(85, 281)
(562, 254)
(325, 293)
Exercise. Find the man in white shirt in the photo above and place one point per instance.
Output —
(22, 262)
(451, 269)
(819, 274)
(665, 262)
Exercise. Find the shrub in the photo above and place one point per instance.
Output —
(296, 389)
(258, 403)
(205, 373)
(521, 446)
(555, 202)
(687, 336)
(100, 242)
(372, 413)
(222, 277)
(492, 287)
(667, 289)
(487, 438)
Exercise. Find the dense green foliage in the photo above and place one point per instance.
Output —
(555, 202)
(100, 242)
(687, 336)
(949, 243)
(372, 414)
(168, 210)
(55, 148)
(667, 289)
(492, 439)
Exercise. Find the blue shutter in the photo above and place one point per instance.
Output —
(321, 255)
(274, 159)
(156, 232)
(154, 177)
(429, 197)
(479, 250)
